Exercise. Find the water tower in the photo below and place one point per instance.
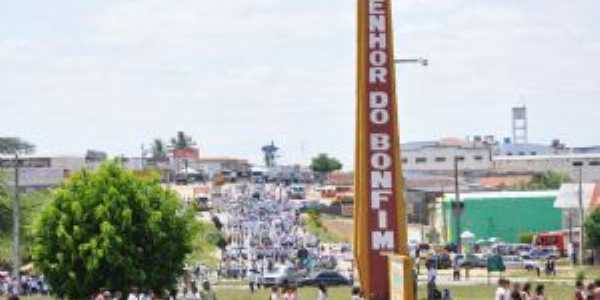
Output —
(270, 154)
(519, 125)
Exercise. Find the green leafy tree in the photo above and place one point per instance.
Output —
(592, 229)
(14, 146)
(323, 164)
(182, 141)
(31, 205)
(550, 180)
(158, 150)
(111, 229)
(526, 238)
(5, 207)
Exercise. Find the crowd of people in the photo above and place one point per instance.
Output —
(28, 285)
(591, 291)
(516, 291)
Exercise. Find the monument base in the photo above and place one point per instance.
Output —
(402, 277)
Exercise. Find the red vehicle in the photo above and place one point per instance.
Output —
(553, 239)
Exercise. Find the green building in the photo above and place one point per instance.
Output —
(502, 215)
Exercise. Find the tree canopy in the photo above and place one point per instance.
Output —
(158, 150)
(550, 180)
(31, 205)
(325, 164)
(13, 145)
(182, 141)
(592, 229)
(111, 229)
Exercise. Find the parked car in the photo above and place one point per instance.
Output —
(516, 262)
(440, 260)
(253, 275)
(530, 263)
(327, 278)
(471, 261)
(280, 275)
(296, 192)
(544, 253)
(522, 249)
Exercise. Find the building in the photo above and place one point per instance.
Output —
(568, 201)
(41, 172)
(510, 149)
(565, 163)
(438, 156)
(588, 149)
(183, 159)
(503, 215)
(290, 173)
(212, 166)
(33, 179)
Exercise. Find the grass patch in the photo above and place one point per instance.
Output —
(315, 226)
(477, 292)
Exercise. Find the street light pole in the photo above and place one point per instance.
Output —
(424, 62)
(419, 60)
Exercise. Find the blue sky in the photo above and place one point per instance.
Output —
(237, 74)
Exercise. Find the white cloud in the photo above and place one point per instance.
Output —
(238, 73)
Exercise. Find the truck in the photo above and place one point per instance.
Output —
(296, 192)
(558, 240)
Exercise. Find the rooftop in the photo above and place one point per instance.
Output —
(552, 156)
(502, 194)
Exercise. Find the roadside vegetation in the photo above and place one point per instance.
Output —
(314, 225)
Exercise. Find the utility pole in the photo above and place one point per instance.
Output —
(16, 227)
(16, 146)
(457, 206)
(581, 214)
(143, 153)
(571, 243)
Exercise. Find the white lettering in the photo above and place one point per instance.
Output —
(378, 58)
(382, 217)
(377, 40)
(381, 179)
(381, 161)
(376, 23)
(380, 141)
(382, 240)
(377, 196)
(378, 99)
(378, 75)
(380, 116)
(376, 7)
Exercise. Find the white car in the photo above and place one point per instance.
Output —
(529, 262)
(513, 262)
(516, 262)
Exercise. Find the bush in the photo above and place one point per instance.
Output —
(526, 238)
(111, 229)
(580, 276)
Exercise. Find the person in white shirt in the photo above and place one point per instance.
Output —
(322, 292)
(133, 294)
(503, 290)
(274, 294)
(356, 293)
